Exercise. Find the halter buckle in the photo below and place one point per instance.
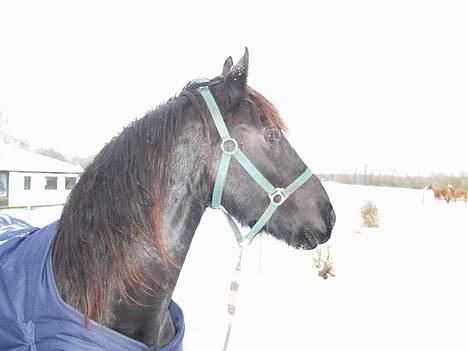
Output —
(229, 146)
(278, 196)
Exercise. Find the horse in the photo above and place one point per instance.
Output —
(458, 194)
(441, 193)
(436, 190)
(119, 245)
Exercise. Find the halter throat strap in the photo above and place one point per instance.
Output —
(230, 149)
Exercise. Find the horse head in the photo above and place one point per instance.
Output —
(306, 217)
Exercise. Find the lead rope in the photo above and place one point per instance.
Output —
(230, 149)
(233, 297)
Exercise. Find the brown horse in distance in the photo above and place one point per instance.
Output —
(458, 194)
(442, 193)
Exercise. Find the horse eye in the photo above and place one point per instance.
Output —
(272, 135)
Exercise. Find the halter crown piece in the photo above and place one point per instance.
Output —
(230, 148)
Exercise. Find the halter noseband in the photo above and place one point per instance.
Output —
(230, 148)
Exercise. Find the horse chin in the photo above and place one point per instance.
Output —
(302, 240)
(306, 238)
(305, 241)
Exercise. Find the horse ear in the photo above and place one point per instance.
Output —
(234, 82)
(227, 66)
(237, 76)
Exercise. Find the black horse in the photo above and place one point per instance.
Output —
(127, 226)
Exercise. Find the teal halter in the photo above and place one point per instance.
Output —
(230, 148)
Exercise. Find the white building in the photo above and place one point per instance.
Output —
(28, 179)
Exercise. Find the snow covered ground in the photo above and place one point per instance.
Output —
(399, 287)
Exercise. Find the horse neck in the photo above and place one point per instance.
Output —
(187, 196)
(185, 201)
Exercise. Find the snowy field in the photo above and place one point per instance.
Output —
(399, 287)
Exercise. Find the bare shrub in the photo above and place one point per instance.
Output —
(369, 215)
(323, 263)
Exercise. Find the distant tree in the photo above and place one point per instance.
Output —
(11, 140)
(414, 182)
(7, 138)
(51, 152)
(82, 161)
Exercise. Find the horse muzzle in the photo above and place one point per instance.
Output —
(313, 234)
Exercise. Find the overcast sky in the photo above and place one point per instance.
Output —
(358, 82)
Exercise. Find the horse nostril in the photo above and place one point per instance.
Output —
(331, 218)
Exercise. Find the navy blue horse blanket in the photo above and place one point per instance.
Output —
(33, 317)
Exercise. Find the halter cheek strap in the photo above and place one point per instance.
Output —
(230, 149)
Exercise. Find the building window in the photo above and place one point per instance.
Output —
(27, 182)
(3, 184)
(51, 183)
(69, 182)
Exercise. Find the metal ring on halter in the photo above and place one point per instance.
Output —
(278, 196)
(226, 150)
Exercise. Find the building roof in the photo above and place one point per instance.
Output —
(14, 159)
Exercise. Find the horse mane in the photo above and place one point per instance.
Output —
(116, 206)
